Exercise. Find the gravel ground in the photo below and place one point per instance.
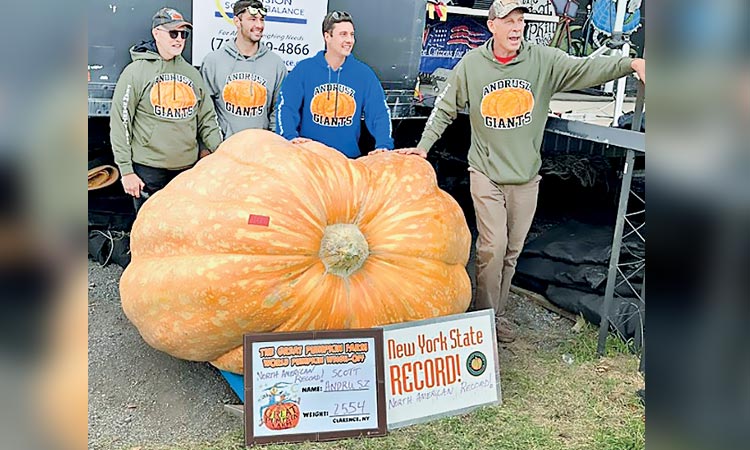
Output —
(140, 396)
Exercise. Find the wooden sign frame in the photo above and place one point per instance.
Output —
(250, 414)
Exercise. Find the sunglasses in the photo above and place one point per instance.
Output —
(338, 15)
(174, 33)
(254, 11)
(333, 18)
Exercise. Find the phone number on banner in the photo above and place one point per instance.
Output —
(289, 48)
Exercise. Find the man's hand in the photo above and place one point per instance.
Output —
(132, 184)
(639, 66)
(203, 153)
(378, 150)
(411, 151)
(300, 140)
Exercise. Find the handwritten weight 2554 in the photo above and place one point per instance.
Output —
(349, 408)
(289, 48)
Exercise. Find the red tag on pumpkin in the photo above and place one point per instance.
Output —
(262, 221)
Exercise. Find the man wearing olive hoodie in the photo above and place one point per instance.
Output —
(159, 109)
(243, 77)
(507, 85)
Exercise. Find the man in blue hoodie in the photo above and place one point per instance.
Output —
(244, 76)
(324, 96)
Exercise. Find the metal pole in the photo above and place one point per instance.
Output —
(614, 258)
(642, 364)
(620, 16)
(640, 105)
(620, 94)
(642, 328)
(624, 51)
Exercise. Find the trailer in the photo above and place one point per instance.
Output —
(395, 38)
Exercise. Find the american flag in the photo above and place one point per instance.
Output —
(444, 43)
(461, 34)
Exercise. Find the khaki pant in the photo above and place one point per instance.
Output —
(504, 215)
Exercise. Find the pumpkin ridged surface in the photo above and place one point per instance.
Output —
(349, 244)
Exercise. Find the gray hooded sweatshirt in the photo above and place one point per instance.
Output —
(243, 89)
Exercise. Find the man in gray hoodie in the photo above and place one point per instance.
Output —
(243, 76)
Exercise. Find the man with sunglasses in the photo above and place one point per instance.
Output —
(243, 77)
(160, 108)
(324, 97)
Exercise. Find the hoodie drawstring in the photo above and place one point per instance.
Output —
(336, 94)
(336, 101)
(328, 91)
(236, 55)
(174, 87)
(158, 84)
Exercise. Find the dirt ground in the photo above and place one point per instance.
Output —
(140, 396)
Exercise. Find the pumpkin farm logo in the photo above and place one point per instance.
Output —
(507, 104)
(172, 96)
(476, 363)
(245, 94)
(333, 105)
(281, 408)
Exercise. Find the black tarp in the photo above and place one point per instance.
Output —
(568, 264)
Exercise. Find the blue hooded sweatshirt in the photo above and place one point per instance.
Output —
(325, 105)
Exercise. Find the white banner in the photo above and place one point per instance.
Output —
(293, 28)
(440, 367)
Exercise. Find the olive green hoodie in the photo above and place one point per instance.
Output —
(508, 104)
(159, 109)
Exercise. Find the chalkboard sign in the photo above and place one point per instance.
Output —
(317, 385)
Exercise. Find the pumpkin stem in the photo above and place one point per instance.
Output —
(343, 249)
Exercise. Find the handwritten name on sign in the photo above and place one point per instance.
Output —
(313, 386)
(440, 367)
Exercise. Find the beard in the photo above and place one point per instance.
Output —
(247, 35)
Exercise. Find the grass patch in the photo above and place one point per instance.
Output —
(582, 345)
(547, 404)
(626, 435)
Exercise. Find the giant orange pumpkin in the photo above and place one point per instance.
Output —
(265, 235)
(507, 103)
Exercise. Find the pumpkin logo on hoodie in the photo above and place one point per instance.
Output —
(173, 97)
(507, 104)
(245, 94)
(333, 105)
